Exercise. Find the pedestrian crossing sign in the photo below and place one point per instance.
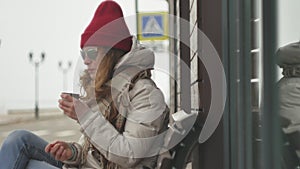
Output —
(152, 26)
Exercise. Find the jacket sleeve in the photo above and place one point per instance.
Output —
(141, 137)
(78, 159)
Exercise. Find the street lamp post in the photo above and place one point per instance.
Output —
(36, 62)
(137, 18)
(65, 71)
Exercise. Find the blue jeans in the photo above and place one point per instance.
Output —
(22, 149)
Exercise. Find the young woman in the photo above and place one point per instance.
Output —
(121, 112)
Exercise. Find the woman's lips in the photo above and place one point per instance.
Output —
(91, 70)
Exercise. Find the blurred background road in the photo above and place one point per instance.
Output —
(50, 126)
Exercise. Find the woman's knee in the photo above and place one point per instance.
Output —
(18, 136)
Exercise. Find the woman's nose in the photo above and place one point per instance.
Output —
(87, 60)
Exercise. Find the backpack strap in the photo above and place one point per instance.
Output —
(128, 77)
(144, 74)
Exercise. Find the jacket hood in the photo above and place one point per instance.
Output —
(139, 56)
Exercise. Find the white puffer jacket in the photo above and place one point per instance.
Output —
(144, 108)
(289, 103)
(289, 86)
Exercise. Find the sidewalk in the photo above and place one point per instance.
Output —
(18, 116)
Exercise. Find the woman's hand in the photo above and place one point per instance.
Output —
(66, 103)
(72, 107)
(59, 150)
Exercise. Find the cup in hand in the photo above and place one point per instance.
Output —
(74, 95)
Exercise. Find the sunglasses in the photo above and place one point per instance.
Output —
(91, 53)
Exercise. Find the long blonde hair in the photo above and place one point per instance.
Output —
(104, 73)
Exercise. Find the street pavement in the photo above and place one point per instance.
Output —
(50, 126)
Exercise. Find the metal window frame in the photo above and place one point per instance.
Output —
(238, 113)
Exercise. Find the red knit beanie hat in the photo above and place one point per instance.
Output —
(107, 28)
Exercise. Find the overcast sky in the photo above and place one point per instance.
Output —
(289, 23)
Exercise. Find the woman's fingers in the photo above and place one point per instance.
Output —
(49, 146)
(64, 107)
(54, 149)
(59, 152)
(67, 105)
(66, 97)
(66, 154)
(66, 101)
(70, 113)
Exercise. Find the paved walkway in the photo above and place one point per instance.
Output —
(22, 116)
